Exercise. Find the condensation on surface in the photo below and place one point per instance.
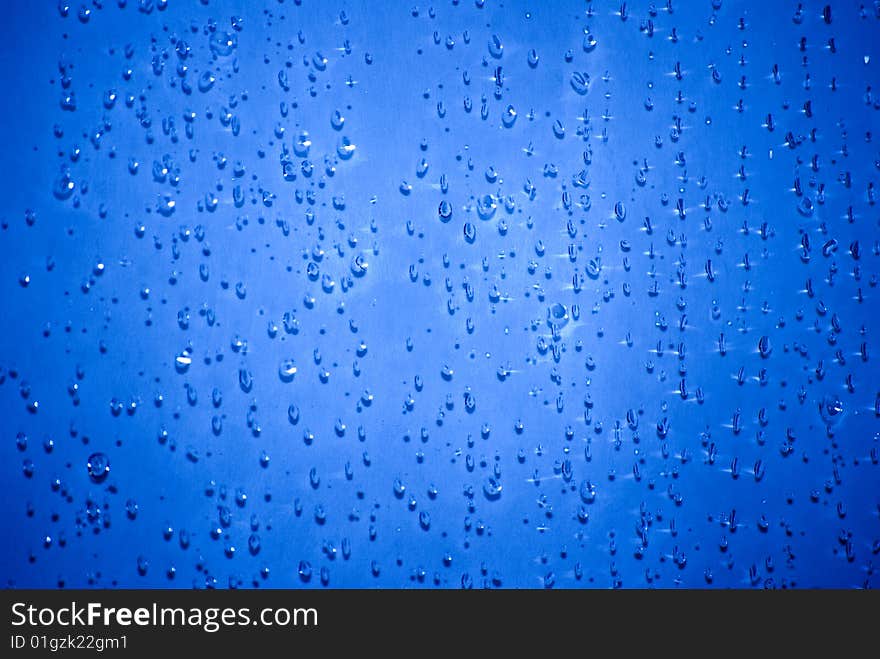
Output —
(464, 294)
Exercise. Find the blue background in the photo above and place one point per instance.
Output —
(552, 346)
